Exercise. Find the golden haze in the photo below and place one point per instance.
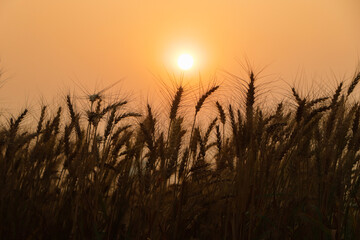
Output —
(45, 45)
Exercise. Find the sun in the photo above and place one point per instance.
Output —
(185, 61)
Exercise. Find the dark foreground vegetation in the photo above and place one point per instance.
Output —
(289, 173)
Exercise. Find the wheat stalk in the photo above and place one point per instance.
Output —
(202, 99)
(353, 84)
(175, 103)
(221, 112)
(41, 120)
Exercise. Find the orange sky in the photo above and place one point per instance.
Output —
(46, 45)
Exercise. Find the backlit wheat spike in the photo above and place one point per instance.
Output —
(41, 120)
(279, 110)
(120, 143)
(317, 111)
(114, 105)
(126, 115)
(203, 98)
(316, 101)
(116, 134)
(150, 119)
(94, 117)
(56, 121)
(98, 106)
(296, 95)
(183, 163)
(194, 140)
(250, 97)
(300, 110)
(355, 125)
(218, 138)
(221, 112)
(71, 109)
(239, 118)
(74, 117)
(335, 107)
(175, 103)
(67, 132)
(109, 124)
(147, 132)
(233, 122)
(336, 95)
(14, 126)
(208, 131)
(353, 84)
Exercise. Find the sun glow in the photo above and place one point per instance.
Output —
(185, 61)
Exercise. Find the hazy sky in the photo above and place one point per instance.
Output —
(46, 45)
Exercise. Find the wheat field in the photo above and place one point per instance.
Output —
(104, 172)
